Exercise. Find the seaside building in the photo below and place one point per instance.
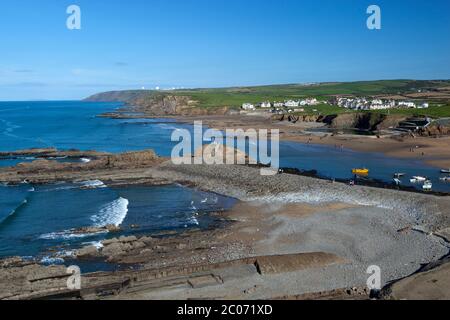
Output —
(291, 104)
(309, 102)
(248, 106)
(407, 104)
(266, 104)
(375, 104)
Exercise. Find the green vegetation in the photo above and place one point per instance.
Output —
(322, 109)
(235, 97)
(434, 111)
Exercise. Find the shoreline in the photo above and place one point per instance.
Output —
(288, 235)
(306, 235)
(436, 150)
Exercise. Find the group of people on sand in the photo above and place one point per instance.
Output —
(416, 148)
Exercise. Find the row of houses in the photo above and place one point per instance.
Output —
(377, 104)
(285, 104)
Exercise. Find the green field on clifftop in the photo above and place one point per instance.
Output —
(236, 96)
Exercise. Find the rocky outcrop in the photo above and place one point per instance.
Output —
(157, 103)
(297, 118)
(364, 121)
(435, 130)
(20, 279)
(104, 167)
(51, 153)
(164, 104)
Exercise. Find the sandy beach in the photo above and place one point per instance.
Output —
(433, 151)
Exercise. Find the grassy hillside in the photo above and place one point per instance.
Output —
(434, 111)
(235, 97)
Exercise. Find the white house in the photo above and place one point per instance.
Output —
(248, 106)
(266, 105)
(377, 101)
(406, 104)
(291, 104)
(309, 102)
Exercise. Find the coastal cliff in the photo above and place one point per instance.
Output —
(362, 121)
(365, 121)
(157, 103)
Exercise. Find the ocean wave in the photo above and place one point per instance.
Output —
(85, 160)
(68, 235)
(10, 128)
(48, 260)
(67, 187)
(89, 184)
(92, 184)
(14, 211)
(194, 220)
(166, 126)
(96, 244)
(113, 213)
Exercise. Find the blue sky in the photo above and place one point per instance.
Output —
(214, 43)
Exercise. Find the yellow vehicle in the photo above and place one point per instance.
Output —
(364, 172)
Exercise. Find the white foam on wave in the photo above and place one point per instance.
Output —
(193, 220)
(23, 203)
(51, 260)
(59, 189)
(113, 213)
(68, 235)
(93, 184)
(167, 126)
(9, 128)
(96, 244)
(85, 160)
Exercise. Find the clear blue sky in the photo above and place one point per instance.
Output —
(214, 43)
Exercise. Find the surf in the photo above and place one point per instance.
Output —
(114, 213)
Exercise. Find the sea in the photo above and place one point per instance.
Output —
(37, 221)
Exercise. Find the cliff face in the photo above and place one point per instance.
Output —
(365, 121)
(118, 96)
(361, 121)
(435, 130)
(156, 103)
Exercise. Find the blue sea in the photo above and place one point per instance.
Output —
(37, 221)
